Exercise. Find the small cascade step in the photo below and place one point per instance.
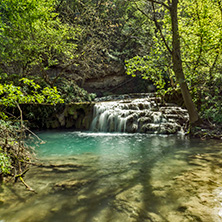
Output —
(139, 115)
(126, 96)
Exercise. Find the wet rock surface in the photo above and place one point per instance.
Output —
(138, 115)
(124, 97)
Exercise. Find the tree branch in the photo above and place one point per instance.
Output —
(155, 21)
(137, 7)
(160, 30)
(22, 126)
(160, 3)
(26, 185)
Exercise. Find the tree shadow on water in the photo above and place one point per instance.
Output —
(111, 195)
(96, 190)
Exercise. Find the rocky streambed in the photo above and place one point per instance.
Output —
(184, 186)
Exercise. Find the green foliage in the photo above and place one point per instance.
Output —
(213, 113)
(154, 67)
(211, 101)
(5, 163)
(110, 33)
(41, 38)
(200, 29)
(201, 33)
(32, 35)
(28, 92)
(8, 146)
(71, 92)
(153, 62)
(200, 26)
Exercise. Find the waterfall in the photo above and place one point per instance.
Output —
(142, 115)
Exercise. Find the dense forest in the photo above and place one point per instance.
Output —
(50, 48)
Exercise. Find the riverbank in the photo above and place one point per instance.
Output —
(207, 130)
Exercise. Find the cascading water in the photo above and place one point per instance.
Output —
(144, 115)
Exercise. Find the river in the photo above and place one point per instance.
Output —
(115, 177)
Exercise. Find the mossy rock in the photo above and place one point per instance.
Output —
(71, 109)
(52, 124)
(70, 122)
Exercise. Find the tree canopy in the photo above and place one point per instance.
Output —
(33, 38)
(199, 29)
(71, 41)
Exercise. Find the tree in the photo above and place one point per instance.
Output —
(33, 39)
(170, 7)
(200, 27)
(112, 31)
(177, 63)
(14, 155)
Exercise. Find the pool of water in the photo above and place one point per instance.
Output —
(110, 145)
(101, 177)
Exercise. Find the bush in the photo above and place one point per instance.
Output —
(71, 92)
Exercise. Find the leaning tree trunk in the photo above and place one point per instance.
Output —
(177, 65)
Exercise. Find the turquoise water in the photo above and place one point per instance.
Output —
(115, 145)
(115, 177)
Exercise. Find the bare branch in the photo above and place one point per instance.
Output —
(137, 7)
(160, 30)
(26, 185)
(160, 3)
(156, 23)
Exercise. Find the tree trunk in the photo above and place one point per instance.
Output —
(177, 64)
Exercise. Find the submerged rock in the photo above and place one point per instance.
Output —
(198, 189)
(71, 184)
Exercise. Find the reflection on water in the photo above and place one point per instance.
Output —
(106, 144)
(113, 177)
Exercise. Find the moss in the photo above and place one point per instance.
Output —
(43, 116)
(53, 124)
(70, 122)
(71, 109)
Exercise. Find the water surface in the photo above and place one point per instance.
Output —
(113, 177)
(123, 145)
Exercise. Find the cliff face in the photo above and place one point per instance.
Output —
(116, 82)
(111, 80)
(109, 83)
